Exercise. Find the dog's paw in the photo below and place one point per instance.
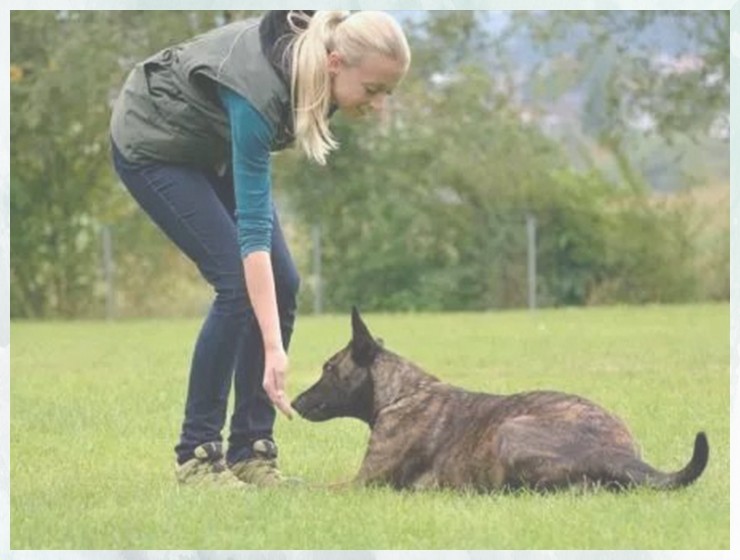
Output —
(342, 486)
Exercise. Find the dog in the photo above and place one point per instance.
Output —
(426, 434)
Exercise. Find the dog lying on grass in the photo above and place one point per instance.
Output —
(427, 434)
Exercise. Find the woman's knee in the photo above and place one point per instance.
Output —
(231, 292)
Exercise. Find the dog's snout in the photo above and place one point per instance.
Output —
(298, 404)
(310, 405)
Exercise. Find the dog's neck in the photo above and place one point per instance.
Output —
(394, 378)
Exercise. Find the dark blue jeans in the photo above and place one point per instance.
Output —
(195, 209)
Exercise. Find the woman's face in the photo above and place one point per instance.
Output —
(363, 88)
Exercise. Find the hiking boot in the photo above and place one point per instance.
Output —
(261, 469)
(207, 467)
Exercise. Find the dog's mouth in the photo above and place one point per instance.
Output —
(315, 413)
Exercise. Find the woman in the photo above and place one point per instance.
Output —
(192, 132)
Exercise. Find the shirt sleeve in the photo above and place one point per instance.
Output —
(251, 137)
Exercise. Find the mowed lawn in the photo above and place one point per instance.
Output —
(96, 410)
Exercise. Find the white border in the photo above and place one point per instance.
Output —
(392, 5)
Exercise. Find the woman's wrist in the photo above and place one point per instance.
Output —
(273, 345)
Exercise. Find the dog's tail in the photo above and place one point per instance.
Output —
(642, 474)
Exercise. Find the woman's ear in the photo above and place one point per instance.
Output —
(333, 62)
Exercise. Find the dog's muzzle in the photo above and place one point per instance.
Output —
(315, 412)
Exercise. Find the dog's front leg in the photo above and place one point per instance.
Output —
(374, 470)
(343, 486)
(386, 466)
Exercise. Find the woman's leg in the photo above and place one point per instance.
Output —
(184, 202)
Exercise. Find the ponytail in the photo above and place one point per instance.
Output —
(310, 82)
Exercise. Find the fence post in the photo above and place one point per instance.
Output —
(318, 296)
(532, 261)
(109, 269)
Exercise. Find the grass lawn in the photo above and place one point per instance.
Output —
(96, 410)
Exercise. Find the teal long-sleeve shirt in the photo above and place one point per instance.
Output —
(251, 137)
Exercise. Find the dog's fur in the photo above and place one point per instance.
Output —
(427, 434)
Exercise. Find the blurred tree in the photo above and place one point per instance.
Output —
(428, 210)
(661, 72)
(66, 68)
(424, 211)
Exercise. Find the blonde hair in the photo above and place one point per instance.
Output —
(352, 36)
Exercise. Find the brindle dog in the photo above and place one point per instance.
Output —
(427, 434)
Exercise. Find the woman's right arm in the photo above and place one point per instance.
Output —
(250, 139)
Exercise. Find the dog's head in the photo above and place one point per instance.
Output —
(346, 385)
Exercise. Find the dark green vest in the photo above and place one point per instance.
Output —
(169, 109)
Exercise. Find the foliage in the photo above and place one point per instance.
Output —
(604, 245)
(424, 211)
(423, 215)
(429, 211)
(68, 68)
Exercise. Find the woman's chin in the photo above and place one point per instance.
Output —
(353, 112)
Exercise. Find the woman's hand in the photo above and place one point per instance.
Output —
(261, 288)
(276, 371)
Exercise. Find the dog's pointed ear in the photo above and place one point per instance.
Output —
(364, 347)
(359, 329)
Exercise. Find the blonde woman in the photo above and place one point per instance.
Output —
(192, 131)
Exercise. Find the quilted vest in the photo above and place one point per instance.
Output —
(169, 109)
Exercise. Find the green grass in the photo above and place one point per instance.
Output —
(96, 409)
